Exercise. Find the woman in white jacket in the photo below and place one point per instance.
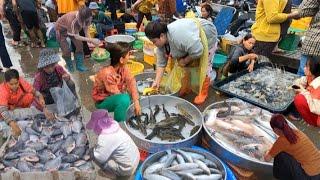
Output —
(115, 152)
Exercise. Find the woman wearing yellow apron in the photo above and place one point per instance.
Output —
(188, 42)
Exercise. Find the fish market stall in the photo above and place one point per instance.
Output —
(184, 163)
(240, 133)
(267, 86)
(45, 149)
(166, 122)
(145, 80)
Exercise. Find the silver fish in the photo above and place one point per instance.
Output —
(187, 176)
(56, 146)
(53, 164)
(153, 168)
(24, 136)
(11, 155)
(36, 146)
(163, 159)
(214, 171)
(191, 171)
(169, 160)
(209, 163)
(79, 151)
(70, 158)
(69, 144)
(195, 155)
(169, 174)
(23, 166)
(81, 139)
(45, 156)
(180, 159)
(185, 166)
(76, 126)
(209, 177)
(65, 166)
(66, 130)
(184, 155)
(175, 162)
(31, 131)
(155, 177)
(202, 166)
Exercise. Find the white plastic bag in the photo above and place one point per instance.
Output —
(64, 99)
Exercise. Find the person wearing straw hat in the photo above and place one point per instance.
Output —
(50, 75)
(115, 153)
(102, 22)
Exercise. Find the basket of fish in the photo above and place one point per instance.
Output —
(166, 122)
(145, 80)
(184, 163)
(267, 86)
(44, 146)
(239, 133)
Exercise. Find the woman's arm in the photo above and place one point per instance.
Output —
(308, 8)
(81, 38)
(271, 10)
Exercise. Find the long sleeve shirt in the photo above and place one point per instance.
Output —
(109, 82)
(117, 152)
(184, 40)
(311, 45)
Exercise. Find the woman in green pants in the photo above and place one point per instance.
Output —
(113, 83)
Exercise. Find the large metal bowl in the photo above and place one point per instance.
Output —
(155, 157)
(146, 75)
(152, 146)
(227, 155)
(120, 38)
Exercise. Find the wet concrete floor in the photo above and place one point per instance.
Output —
(25, 60)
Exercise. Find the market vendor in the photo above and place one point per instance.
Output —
(50, 75)
(18, 93)
(207, 12)
(113, 82)
(307, 100)
(69, 26)
(295, 156)
(116, 154)
(241, 57)
(102, 22)
(183, 40)
(144, 8)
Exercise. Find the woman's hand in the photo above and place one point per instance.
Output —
(95, 41)
(267, 157)
(137, 108)
(251, 66)
(155, 85)
(66, 77)
(252, 56)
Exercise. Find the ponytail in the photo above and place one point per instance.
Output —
(278, 121)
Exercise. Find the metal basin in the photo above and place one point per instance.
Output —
(153, 146)
(231, 155)
(155, 157)
(120, 38)
(144, 76)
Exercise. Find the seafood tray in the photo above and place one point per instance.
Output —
(173, 123)
(267, 86)
(240, 133)
(184, 163)
(43, 146)
(145, 80)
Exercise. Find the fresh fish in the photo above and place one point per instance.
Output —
(69, 144)
(11, 155)
(79, 151)
(70, 158)
(66, 130)
(187, 176)
(86, 167)
(175, 162)
(163, 159)
(79, 163)
(185, 166)
(153, 168)
(23, 166)
(184, 155)
(24, 136)
(45, 156)
(169, 160)
(184, 118)
(155, 177)
(209, 177)
(76, 126)
(37, 126)
(81, 139)
(169, 174)
(180, 159)
(65, 166)
(183, 111)
(30, 131)
(35, 145)
(202, 166)
(214, 171)
(194, 171)
(34, 138)
(166, 113)
(195, 155)
(152, 117)
(56, 146)
(156, 110)
(209, 163)
(47, 131)
(56, 132)
(53, 164)
(10, 163)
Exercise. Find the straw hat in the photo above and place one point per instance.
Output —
(47, 57)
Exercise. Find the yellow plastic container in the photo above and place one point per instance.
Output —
(302, 23)
(92, 31)
(149, 59)
(135, 67)
(130, 25)
(107, 13)
(226, 44)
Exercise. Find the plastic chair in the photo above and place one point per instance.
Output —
(223, 20)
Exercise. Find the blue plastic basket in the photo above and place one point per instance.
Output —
(219, 60)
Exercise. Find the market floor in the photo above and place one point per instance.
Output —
(25, 60)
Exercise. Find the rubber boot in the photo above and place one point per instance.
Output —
(40, 36)
(69, 64)
(185, 85)
(79, 57)
(204, 92)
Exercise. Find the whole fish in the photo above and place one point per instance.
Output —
(209, 177)
(23, 166)
(70, 158)
(180, 159)
(194, 171)
(156, 110)
(202, 166)
(163, 159)
(187, 176)
(166, 113)
(169, 160)
(53, 164)
(30, 131)
(215, 171)
(209, 163)
(169, 174)
(183, 111)
(69, 144)
(66, 130)
(185, 166)
(35, 145)
(79, 151)
(81, 139)
(195, 155)
(184, 118)
(76, 126)
(88, 166)
(187, 157)
(152, 117)
(11, 155)
(155, 177)
(56, 146)
(153, 168)
(65, 166)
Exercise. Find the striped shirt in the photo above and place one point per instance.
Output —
(311, 8)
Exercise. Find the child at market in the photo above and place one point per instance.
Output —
(50, 75)
(241, 57)
(295, 155)
(307, 100)
(113, 82)
(115, 153)
(207, 12)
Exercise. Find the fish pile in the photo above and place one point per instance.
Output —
(241, 128)
(46, 145)
(151, 124)
(147, 83)
(266, 85)
(178, 164)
